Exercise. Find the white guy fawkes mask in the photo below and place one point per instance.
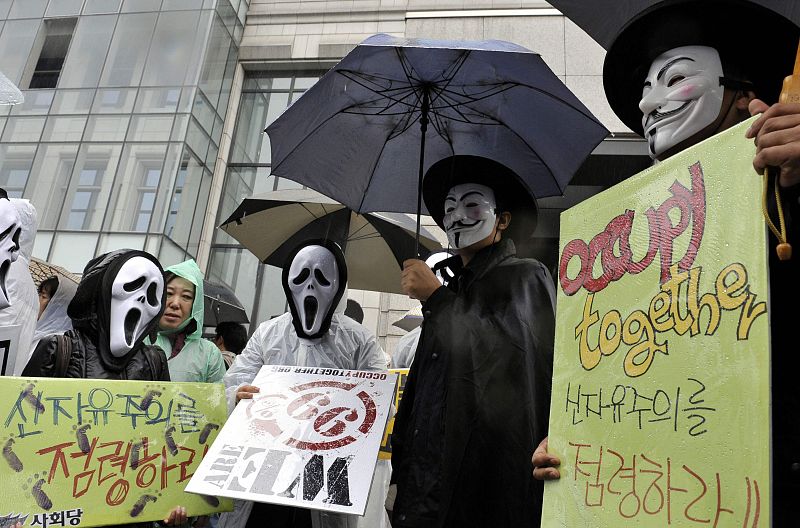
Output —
(313, 281)
(10, 231)
(469, 214)
(135, 301)
(682, 95)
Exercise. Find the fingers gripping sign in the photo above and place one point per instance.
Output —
(246, 392)
(777, 137)
(545, 465)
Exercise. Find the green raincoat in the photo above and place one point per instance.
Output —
(199, 359)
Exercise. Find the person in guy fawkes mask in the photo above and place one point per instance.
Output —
(478, 394)
(116, 306)
(314, 333)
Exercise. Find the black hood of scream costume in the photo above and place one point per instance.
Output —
(510, 193)
(756, 46)
(90, 309)
(296, 311)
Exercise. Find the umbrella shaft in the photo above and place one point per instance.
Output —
(423, 126)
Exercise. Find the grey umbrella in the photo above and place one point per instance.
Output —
(360, 134)
(220, 305)
(272, 224)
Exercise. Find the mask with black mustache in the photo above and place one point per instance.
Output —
(469, 214)
(10, 231)
(135, 300)
(682, 95)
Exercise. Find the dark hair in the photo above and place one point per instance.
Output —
(354, 311)
(48, 286)
(233, 334)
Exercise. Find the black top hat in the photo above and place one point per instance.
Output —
(755, 44)
(511, 195)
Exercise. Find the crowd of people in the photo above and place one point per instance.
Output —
(469, 446)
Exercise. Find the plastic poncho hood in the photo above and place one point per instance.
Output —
(189, 271)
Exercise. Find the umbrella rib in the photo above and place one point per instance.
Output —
(371, 176)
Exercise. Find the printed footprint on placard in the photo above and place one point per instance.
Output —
(149, 396)
(140, 504)
(211, 500)
(171, 445)
(204, 434)
(39, 495)
(135, 448)
(10, 457)
(31, 398)
(83, 440)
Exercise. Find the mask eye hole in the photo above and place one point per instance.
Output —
(301, 278)
(133, 285)
(152, 300)
(321, 278)
(675, 80)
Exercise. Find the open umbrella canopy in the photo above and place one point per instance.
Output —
(358, 135)
(272, 224)
(221, 305)
(41, 270)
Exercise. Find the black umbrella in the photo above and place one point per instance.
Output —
(221, 305)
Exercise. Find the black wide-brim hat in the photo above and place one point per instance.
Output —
(510, 193)
(755, 44)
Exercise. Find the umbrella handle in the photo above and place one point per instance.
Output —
(423, 126)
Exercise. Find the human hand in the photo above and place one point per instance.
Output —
(418, 280)
(176, 517)
(544, 464)
(245, 392)
(777, 138)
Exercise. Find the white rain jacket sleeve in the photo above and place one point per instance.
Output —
(21, 290)
(347, 345)
(407, 349)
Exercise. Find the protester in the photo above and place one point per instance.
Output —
(480, 382)
(190, 357)
(315, 333)
(46, 290)
(680, 73)
(53, 318)
(230, 339)
(18, 219)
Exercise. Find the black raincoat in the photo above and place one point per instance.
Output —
(90, 313)
(477, 399)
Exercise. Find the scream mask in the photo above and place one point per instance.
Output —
(10, 231)
(682, 95)
(469, 214)
(314, 281)
(136, 295)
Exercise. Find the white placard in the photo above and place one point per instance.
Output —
(9, 348)
(309, 439)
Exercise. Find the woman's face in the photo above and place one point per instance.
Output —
(44, 300)
(180, 297)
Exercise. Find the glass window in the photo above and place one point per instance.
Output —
(88, 52)
(200, 208)
(150, 128)
(197, 139)
(203, 112)
(15, 167)
(249, 135)
(53, 166)
(172, 47)
(53, 51)
(5, 5)
(64, 8)
(179, 128)
(183, 204)
(16, 43)
(73, 250)
(236, 268)
(128, 51)
(64, 128)
(134, 197)
(115, 241)
(92, 179)
(72, 101)
(94, 7)
(214, 64)
(102, 128)
(27, 9)
(23, 129)
(37, 102)
(134, 6)
(172, 5)
(41, 245)
(114, 101)
(157, 100)
(272, 300)
(170, 253)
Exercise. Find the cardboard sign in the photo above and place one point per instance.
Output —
(386, 444)
(660, 409)
(100, 452)
(309, 439)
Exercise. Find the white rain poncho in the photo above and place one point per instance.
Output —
(21, 289)
(54, 319)
(347, 345)
(407, 349)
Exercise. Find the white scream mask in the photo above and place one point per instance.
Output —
(313, 281)
(136, 295)
(469, 214)
(10, 231)
(682, 95)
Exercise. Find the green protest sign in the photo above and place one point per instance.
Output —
(99, 452)
(660, 406)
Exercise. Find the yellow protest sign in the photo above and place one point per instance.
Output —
(660, 406)
(386, 444)
(99, 452)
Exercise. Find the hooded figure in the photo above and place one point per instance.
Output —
(180, 336)
(477, 397)
(116, 306)
(315, 333)
(20, 287)
(54, 318)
